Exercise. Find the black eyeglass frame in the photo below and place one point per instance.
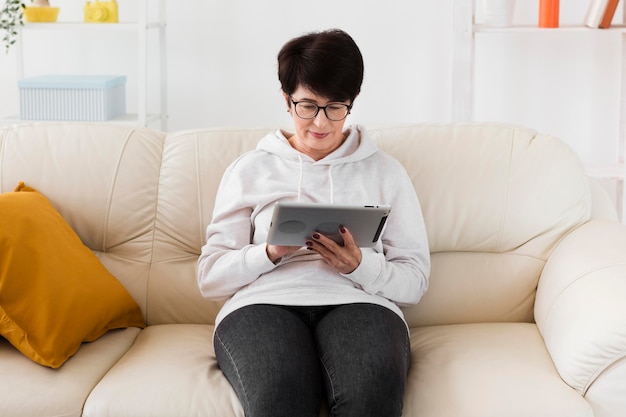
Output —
(295, 106)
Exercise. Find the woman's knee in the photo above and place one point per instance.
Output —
(365, 354)
(271, 362)
(367, 388)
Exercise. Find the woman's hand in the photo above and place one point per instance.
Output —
(274, 253)
(344, 258)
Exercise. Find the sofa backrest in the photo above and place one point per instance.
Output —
(193, 164)
(496, 199)
(103, 179)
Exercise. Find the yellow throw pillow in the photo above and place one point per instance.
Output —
(54, 291)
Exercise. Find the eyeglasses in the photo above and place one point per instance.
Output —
(333, 111)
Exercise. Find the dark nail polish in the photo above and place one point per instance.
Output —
(316, 235)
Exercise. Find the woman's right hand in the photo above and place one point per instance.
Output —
(274, 253)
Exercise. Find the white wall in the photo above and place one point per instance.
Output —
(225, 62)
(222, 65)
(562, 82)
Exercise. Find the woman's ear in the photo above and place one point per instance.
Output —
(287, 100)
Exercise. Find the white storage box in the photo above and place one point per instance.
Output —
(72, 97)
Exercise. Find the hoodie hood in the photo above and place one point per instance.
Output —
(356, 147)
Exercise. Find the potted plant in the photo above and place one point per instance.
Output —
(12, 16)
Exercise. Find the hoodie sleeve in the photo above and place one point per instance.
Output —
(401, 272)
(229, 261)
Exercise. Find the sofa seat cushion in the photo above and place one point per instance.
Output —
(29, 389)
(481, 370)
(170, 371)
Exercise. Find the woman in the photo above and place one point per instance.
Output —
(323, 315)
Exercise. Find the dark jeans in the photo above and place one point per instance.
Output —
(279, 359)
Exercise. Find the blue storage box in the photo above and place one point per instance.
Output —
(72, 97)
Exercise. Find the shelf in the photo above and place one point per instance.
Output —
(95, 27)
(562, 29)
(464, 34)
(127, 119)
(142, 28)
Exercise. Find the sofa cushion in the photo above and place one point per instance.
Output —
(54, 292)
(486, 369)
(191, 170)
(496, 200)
(103, 179)
(29, 389)
(170, 371)
(492, 188)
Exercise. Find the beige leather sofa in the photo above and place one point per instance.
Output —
(525, 315)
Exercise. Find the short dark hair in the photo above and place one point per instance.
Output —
(328, 63)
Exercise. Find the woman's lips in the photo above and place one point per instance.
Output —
(318, 135)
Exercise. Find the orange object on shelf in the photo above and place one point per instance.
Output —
(548, 13)
(607, 18)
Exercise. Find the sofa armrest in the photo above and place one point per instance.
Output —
(580, 307)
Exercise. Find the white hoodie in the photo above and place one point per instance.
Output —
(234, 263)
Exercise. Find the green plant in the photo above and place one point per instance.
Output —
(11, 15)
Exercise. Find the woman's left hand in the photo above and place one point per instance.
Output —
(345, 258)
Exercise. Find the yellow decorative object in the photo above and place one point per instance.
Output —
(101, 12)
(54, 291)
(41, 14)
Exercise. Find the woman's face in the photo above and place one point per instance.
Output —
(319, 136)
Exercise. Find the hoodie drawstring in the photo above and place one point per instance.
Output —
(300, 177)
(332, 186)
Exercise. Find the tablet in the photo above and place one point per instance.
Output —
(294, 223)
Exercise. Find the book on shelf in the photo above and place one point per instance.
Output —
(609, 12)
(600, 13)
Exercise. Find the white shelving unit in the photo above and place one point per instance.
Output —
(141, 28)
(464, 31)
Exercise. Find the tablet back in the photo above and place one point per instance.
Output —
(294, 223)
